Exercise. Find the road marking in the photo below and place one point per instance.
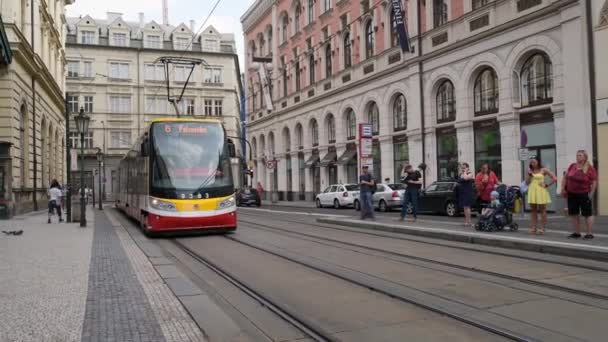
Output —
(294, 212)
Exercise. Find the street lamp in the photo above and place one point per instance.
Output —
(82, 123)
(100, 161)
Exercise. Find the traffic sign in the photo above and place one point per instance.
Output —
(524, 154)
(271, 164)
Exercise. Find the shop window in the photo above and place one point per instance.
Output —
(536, 80)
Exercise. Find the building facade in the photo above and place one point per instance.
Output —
(32, 127)
(484, 79)
(114, 74)
(600, 28)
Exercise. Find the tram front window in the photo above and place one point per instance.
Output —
(189, 160)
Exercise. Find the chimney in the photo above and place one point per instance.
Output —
(192, 26)
(141, 20)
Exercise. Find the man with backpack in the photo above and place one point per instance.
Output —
(413, 181)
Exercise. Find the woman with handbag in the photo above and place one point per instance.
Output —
(538, 195)
(466, 192)
(578, 186)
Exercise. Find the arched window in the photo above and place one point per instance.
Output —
(269, 40)
(314, 131)
(284, 25)
(440, 12)
(394, 34)
(254, 148)
(284, 76)
(311, 11)
(351, 125)
(446, 102)
(399, 113)
(23, 142)
(369, 39)
(311, 69)
(271, 144)
(486, 92)
(331, 129)
(328, 61)
(297, 71)
(536, 80)
(299, 137)
(298, 13)
(286, 139)
(347, 51)
(373, 117)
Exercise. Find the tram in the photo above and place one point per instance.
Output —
(177, 177)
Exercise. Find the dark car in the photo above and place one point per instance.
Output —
(248, 197)
(441, 198)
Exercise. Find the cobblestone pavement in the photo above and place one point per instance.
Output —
(43, 279)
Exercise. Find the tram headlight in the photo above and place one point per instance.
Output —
(227, 203)
(162, 205)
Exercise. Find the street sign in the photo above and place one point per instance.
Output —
(74, 157)
(271, 164)
(524, 154)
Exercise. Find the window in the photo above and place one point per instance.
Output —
(182, 43)
(119, 39)
(331, 129)
(446, 102)
(311, 68)
(187, 106)
(536, 80)
(73, 103)
(299, 136)
(182, 72)
(87, 37)
(218, 108)
(213, 75)
(328, 61)
(347, 51)
(311, 11)
(120, 104)
(314, 131)
(523, 5)
(394, 33)
(284, 25)
(373, 117)
(120, 139)
(156, 105)
(440, 12)
(154, 72)
(369, 39)
(297, 18)
(486, 92)
(479, 3)
(326, 5)
(210, 45)
(75, 140)
(401, 156)
(153, 42)
(88, 69)
(208, 107)
(119, 70)
(269, 34)
(399, 113)
(298, 76)
(88, 104)
(217, 75)
(284, 75)
(351, 125)
(73, 69)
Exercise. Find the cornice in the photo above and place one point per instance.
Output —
(255, 13)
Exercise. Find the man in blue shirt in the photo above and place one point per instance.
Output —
(367, 183)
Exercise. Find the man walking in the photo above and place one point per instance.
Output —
(366, 182)
(413, 181)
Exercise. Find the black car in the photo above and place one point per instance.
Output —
(440, 197)
(248, 197)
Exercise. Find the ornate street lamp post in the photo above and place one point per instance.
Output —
(100, 161)
(82, 123)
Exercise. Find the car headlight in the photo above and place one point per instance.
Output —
(162, 205)
(227, 203)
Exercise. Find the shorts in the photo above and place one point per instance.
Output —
(579, 204)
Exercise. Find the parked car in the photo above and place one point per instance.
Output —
(440, 197)
(338, 196)
(387, 197)
(248, 197)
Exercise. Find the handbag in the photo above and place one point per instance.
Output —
(523, 187)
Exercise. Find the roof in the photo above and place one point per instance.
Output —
(185, 120)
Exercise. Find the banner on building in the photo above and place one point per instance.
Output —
(74, 157)
(265, 81)
(404, 39)
(365, 146)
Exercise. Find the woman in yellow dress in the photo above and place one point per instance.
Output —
(538, 195)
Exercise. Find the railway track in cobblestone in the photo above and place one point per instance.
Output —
(332, 242)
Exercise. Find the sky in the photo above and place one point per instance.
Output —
(225, 18)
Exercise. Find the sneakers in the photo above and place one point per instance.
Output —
(588, 236)
(574, 236)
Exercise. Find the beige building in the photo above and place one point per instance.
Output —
(32, 127)
(113, 74)
(600, 25)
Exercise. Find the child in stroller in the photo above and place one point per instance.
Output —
(497, 214)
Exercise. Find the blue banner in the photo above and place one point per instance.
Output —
(404, 39)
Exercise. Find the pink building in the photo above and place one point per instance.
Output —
(484, 80)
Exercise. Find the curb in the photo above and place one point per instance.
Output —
(591, 252)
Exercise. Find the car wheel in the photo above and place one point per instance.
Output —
(357, 206)
(382, 206)
(336, 204)
(451, 210)
(319, 203)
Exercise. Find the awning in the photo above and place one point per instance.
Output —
(311, 161)
(346, 157)
(6, 55)
(329, 158)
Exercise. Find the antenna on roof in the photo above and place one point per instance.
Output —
(166, 12)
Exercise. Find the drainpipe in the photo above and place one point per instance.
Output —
(421, 90)
(592, 89)
(34, 116)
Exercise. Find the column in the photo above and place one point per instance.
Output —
(340, 149)
(295, 175)
(323, 171)
(466, 143)
(308, 181)
(282, 171)
(510, 142)
(566, 152)
(386, 154)
(430, 143)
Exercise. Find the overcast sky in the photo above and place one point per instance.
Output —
(226, 17)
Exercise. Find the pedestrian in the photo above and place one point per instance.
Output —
(55, 195)
(260, 190)
(538, 195)
(413, 182)
(578, 186)
(466, 193)
(366, 183)
(486, 182)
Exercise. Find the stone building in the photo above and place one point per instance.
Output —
(484, 79)
(113, 73)
(600, 29)
(32, 84)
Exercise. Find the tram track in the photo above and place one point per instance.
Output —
(314, 238)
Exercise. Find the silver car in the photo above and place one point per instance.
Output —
(387, 197)
(338, 196)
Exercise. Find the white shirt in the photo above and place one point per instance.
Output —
(55, 194)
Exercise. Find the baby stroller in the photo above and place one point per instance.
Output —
(501, 215)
